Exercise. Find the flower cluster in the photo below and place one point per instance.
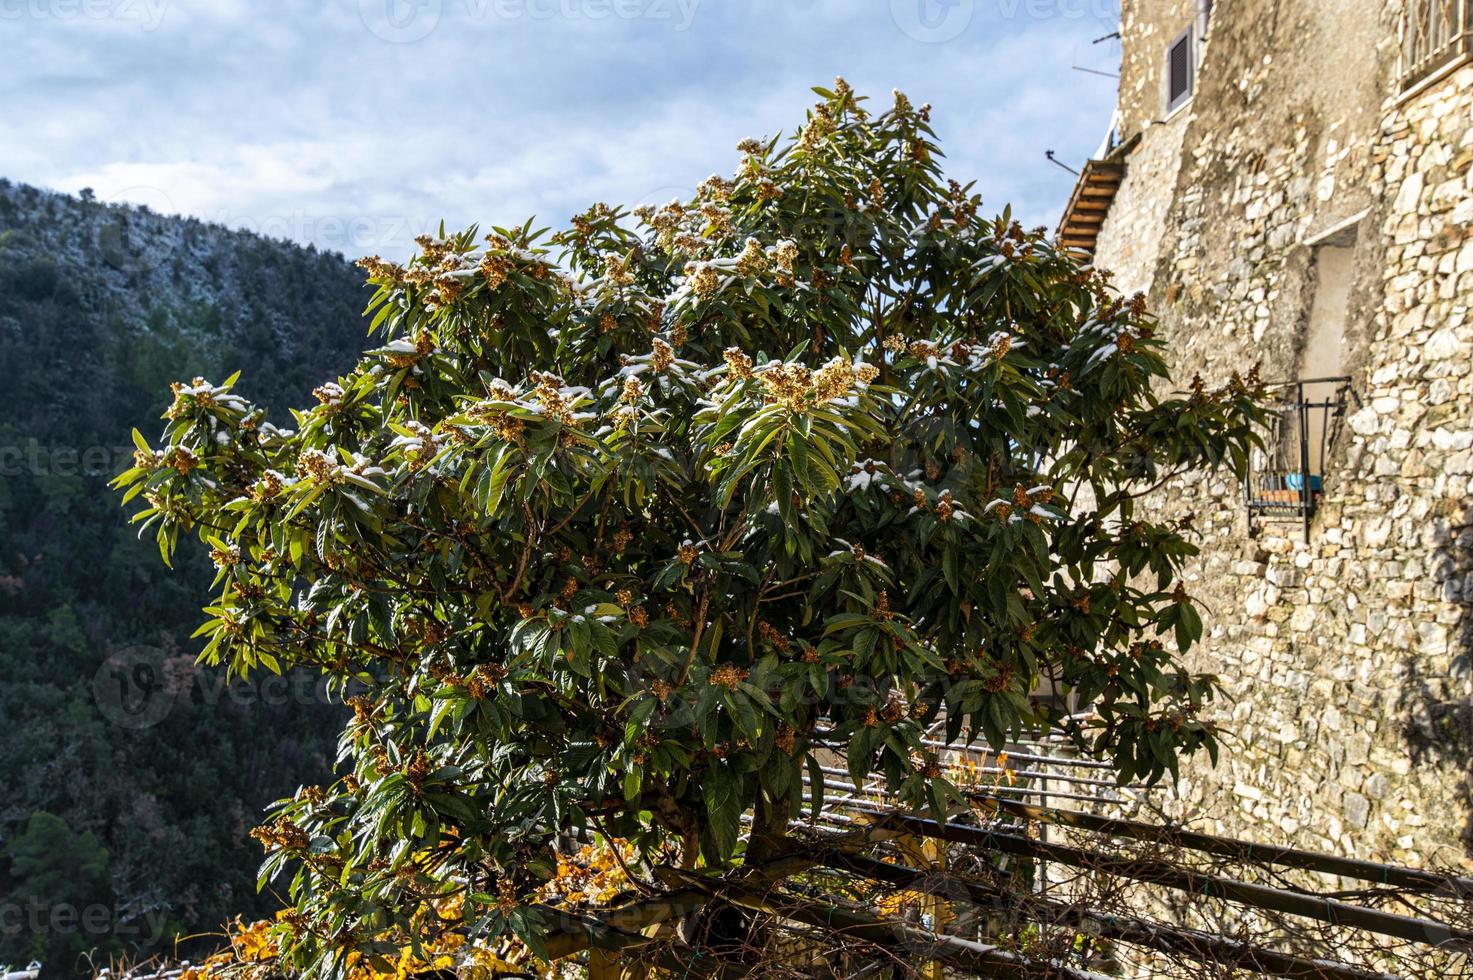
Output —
(771, 634)
(268, 486)
(738, 364)
(797, 388)
(705, 281)
(549, 393)
(753, 260)
(667, 221)
(281, 835)
(181, 460)
(789, 385)
(821, 125)
(785, 254)
(495, 268)
(420, 446)
(616, 270)
(381, 270)
(728, 676)
(329, 394)
(662, 355)
(317, 466)
(225, 557)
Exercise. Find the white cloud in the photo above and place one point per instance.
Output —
(297, 120)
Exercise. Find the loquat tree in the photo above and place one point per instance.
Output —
(621, 528)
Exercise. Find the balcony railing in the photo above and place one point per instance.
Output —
(1434, 33)
(1285, 479)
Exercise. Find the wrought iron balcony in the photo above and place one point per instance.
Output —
(1285, 479)
(1434, 33)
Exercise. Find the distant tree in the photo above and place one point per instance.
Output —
(58, 905)
(618, 528)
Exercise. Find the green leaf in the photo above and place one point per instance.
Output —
(721, 790)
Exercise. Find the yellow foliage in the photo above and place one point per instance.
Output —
(968, 773)
(254, 943)
(594, 875)
(254, 949)
(894, 905)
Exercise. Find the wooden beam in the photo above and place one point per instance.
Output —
(1097, 184)
(981, 959)
(1191, 943)
(1393, 875)
(576, 932)
(1425, 932)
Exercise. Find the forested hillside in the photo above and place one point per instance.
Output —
(129, 779)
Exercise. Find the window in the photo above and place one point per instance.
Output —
(1286, 479)
(1179, 70)
(1434, 33)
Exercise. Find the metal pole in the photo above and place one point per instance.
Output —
(1306, 496)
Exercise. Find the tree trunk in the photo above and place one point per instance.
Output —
(728, 931)
(769, 830)
(731, 932)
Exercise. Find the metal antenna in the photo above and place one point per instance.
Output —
(1058, 163)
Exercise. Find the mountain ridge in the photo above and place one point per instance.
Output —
(142, 818)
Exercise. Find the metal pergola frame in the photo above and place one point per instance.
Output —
(855, 844)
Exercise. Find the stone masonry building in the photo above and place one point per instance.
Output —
(1290, 182)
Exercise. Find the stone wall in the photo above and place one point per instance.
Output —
(1146, 28)
(1131, 237)
(1346, 657)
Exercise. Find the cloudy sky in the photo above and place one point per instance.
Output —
(355, 124)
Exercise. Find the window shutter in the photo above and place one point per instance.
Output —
(1179, 70)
